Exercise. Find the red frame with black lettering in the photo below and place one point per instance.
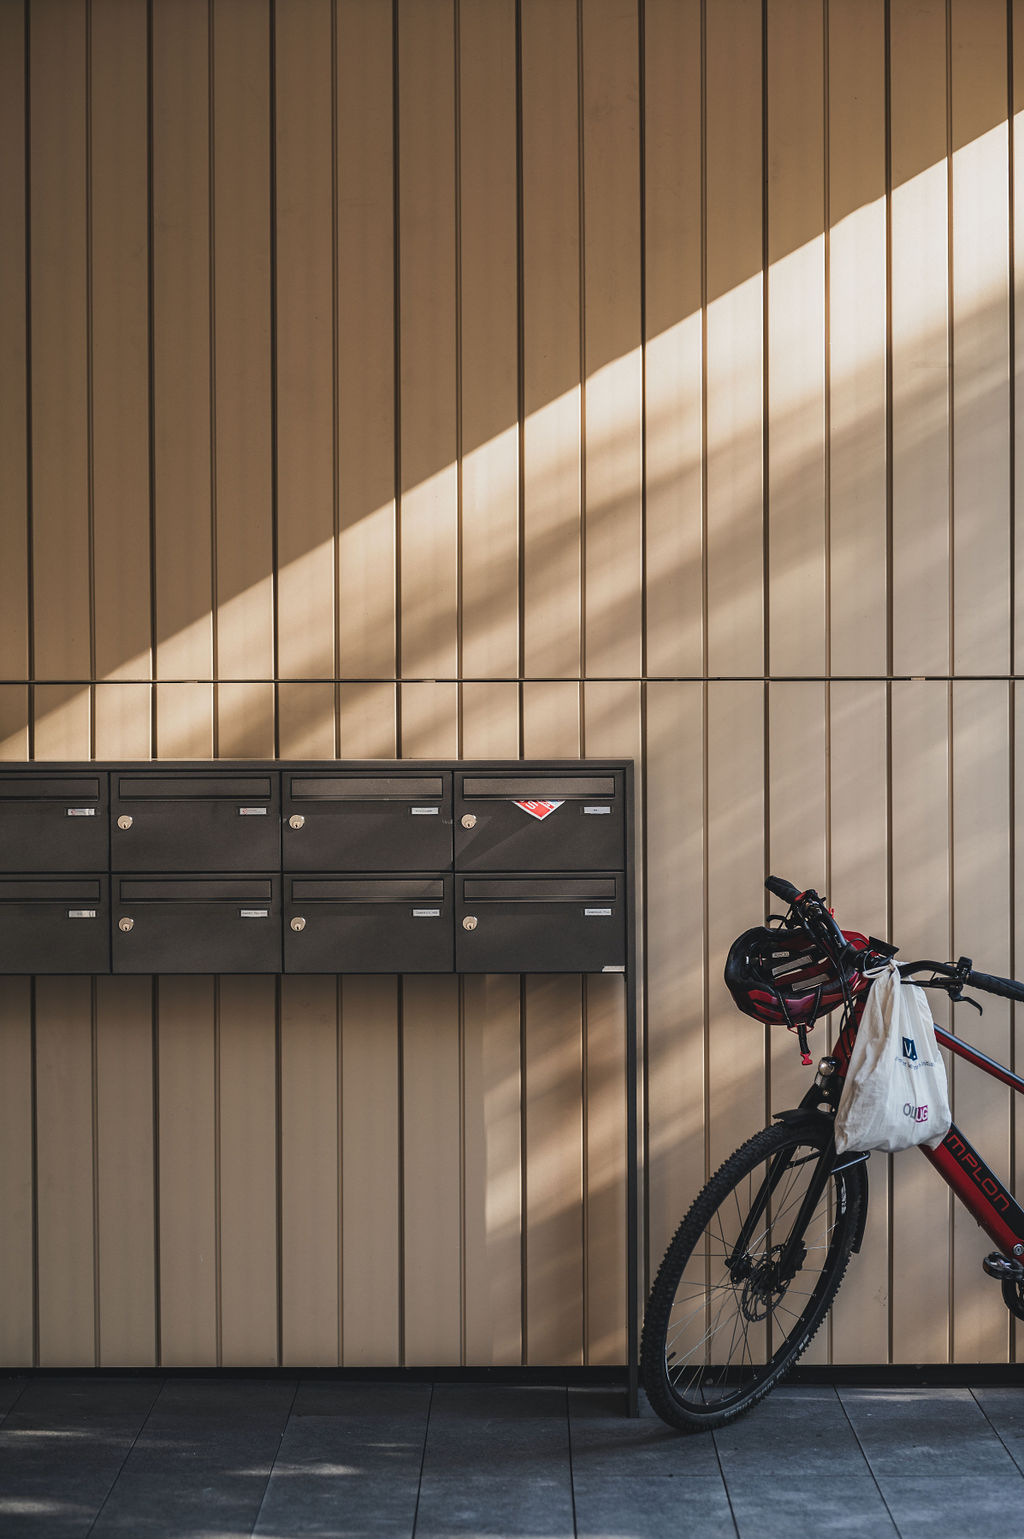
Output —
(957, 1161)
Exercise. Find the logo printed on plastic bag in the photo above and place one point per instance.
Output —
(539, 810)
(909, 1048)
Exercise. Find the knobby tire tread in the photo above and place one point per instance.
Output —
(740, 1163)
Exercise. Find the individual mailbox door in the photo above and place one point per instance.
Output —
(339, 822)
(541, 924)
(539, 822)
(195, 822)
(53, 822)
(54, 925)
(202, 924)
(368, 924)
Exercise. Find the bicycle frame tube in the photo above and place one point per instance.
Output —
(959, 1163)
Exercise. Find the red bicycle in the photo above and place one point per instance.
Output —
(753, 1268)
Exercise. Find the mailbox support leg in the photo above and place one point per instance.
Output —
(633, 1235)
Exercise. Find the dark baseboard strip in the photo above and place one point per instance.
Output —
(880, 1375)
(561, 1377)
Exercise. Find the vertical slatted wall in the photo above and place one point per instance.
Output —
(500, 378)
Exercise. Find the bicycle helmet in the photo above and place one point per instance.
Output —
(783, 977)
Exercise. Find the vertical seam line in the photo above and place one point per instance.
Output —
(90, 472)
(211, 203)
(151, 362)
(582, 339)
(275, 462)
(30, 606)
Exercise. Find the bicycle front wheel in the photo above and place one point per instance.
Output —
(740, 1293)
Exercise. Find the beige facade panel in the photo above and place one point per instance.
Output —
(497, 380)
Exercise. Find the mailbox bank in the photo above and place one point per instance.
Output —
(327, 867)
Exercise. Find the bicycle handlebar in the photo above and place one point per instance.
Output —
(782, 889)
(816, 917)
(1006, 988)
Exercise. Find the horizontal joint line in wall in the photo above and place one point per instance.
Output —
(540, 678)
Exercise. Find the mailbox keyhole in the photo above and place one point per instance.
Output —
(298, 923)
(470, 922)
(124, 821)
(296, 820)
(126, 924)
(468, 820)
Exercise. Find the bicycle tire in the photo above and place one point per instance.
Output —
(701, 1310)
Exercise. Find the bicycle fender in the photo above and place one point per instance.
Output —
(856, 1174)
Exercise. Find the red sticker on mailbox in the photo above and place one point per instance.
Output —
(539, 810)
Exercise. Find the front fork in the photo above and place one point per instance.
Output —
(823, 1093)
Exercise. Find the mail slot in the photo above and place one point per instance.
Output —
(539, 822)
(203, 924)
(368, 924)
(53, 822)
(54, 925)
(341, 823)
(549, 924)
(195, 822)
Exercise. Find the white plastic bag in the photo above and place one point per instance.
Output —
(895, 1093)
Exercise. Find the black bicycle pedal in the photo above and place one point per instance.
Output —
(1003, 1268)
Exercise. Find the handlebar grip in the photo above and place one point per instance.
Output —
(1006, 988)
(782, 889)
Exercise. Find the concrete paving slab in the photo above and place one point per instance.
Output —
(796, 1432)
(1004, 1408)
(496, 1505)
(331, 1397)
(666, 1507)
(502, 1428)
(344, 1477)
(897, 1426)
(844, 1508)
(202, 1463)
(964, 1507)
(604, 1443)
(62, 1448)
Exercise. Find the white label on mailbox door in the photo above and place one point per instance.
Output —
(81, 913)
(252, 812)
(597, 913)
(426, 913)
(81, 812)
(597, 810)
(424, 812)
(540, 810)
(254, 913)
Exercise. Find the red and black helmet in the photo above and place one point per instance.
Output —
(785, 978)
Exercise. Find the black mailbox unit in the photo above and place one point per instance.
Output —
(54, 924)
(368, 924)
(347, 821)
(197, 924)
(545, 924)
(242, 866)
(53, 821)
(182, 821)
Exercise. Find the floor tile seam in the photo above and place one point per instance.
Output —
(867, 1462)
(14, 1402)
(569, 1452)
(161, 1383)
(273, 1463)
(1012, 1456)
(725, 1483)
(423, 1460)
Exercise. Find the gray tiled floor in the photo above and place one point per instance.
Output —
(218, 1458)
